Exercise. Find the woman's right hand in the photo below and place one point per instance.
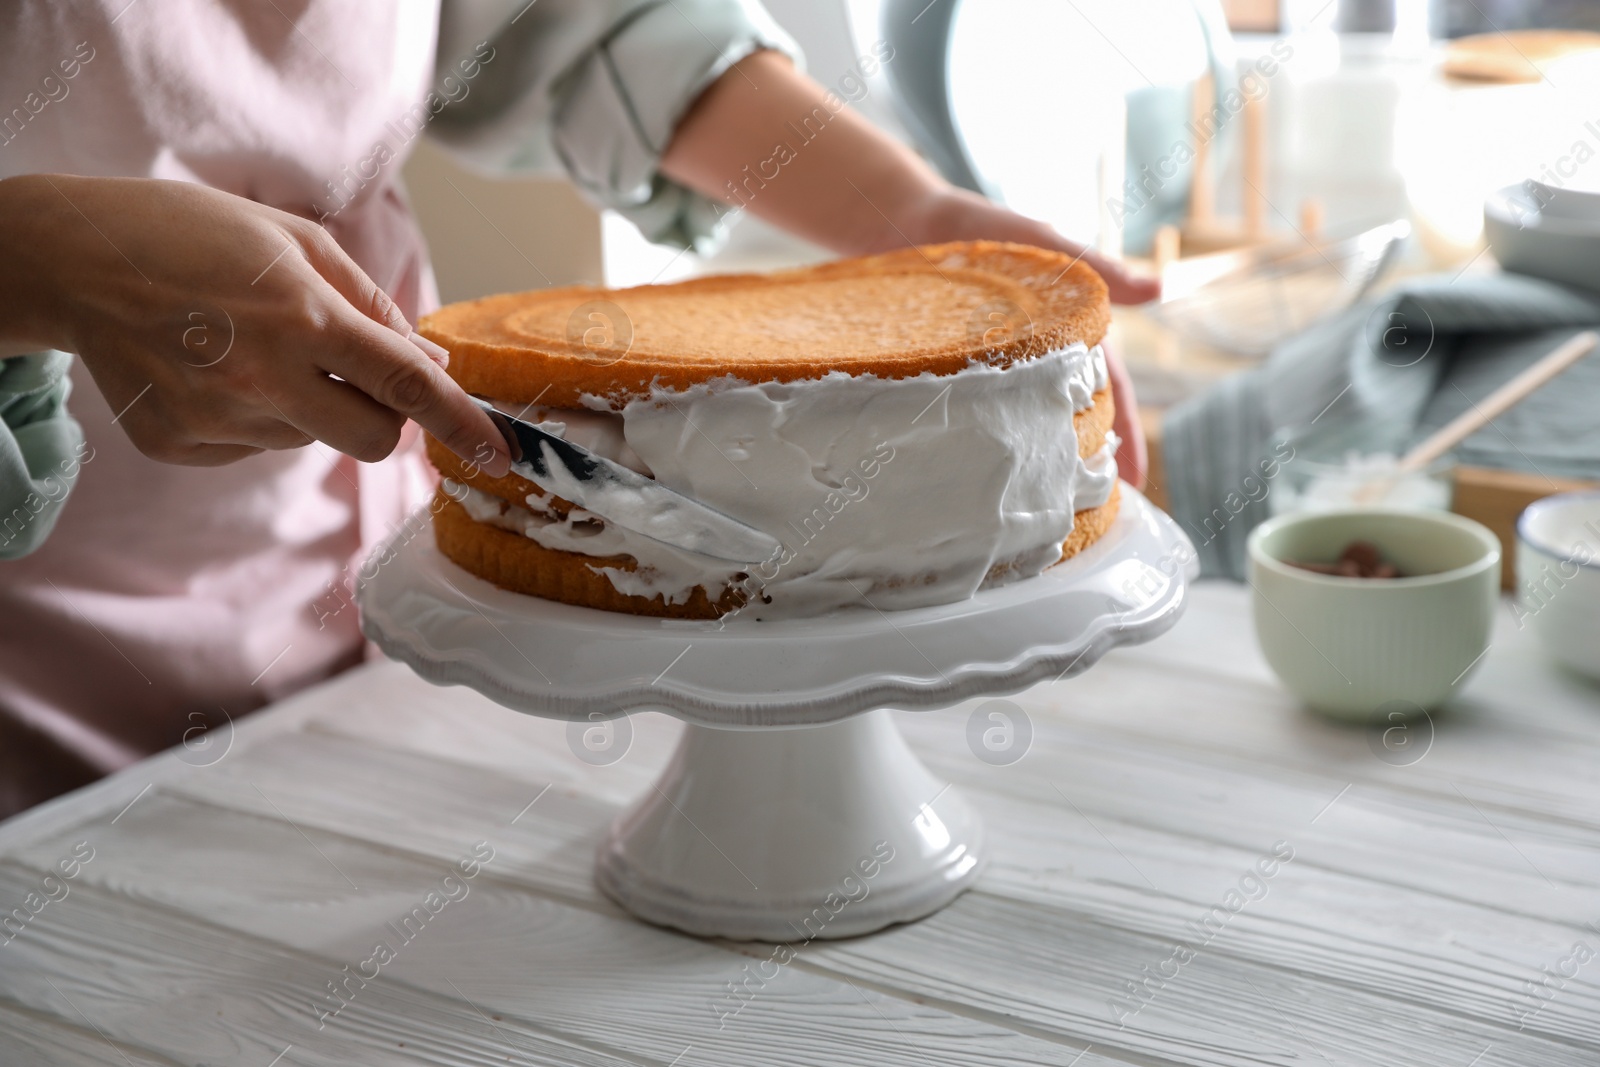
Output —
(219, 327)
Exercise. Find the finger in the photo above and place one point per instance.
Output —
(398, 376)
(1132, 457)
(167, 450)
(434, 351)
(339, 415)
(221, 433)
(271, 433)
(331, 261)
(348, 279)
(1126, 286)
(215, 455)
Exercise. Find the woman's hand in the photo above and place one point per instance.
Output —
(856, 190)
(951, 214)
(218, 327)
(956, 215)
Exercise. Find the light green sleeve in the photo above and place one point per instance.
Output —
(41, 449)
(593, 89)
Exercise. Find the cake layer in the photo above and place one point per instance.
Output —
(935, 309)
(905, 492)
(512, 561)
(911, 426)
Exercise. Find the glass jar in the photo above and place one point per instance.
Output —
(1324, 480)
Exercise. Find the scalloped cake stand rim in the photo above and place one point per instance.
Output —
(826, 825)
(453, 628)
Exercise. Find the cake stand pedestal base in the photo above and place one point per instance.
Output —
(792, 834)
(792, 808)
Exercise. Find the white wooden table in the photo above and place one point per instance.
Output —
(224, 895)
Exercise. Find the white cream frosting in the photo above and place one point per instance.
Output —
(887, 493)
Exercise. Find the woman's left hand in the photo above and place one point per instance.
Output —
(958, 215)
(858, 190)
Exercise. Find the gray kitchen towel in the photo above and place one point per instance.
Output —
(1384, 371)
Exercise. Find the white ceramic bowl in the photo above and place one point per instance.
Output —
(1572, 205)
(1559, 242)
(1558, 577)
(1370, 649)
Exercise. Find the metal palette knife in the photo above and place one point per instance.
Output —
(625, 497)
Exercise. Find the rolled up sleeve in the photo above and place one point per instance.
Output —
(41, 449)
(595, 90)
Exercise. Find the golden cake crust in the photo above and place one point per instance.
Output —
(934, 308)
(1090, 524)
(522, 565)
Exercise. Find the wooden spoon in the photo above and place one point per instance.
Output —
(1480, 415)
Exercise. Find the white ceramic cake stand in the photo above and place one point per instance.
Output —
(791, 785)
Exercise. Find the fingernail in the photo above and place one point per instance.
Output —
(430, 349)
(499, 465)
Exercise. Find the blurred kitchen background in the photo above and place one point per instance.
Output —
(1276, 161)
(1369, 114)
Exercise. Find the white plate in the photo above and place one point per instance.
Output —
(1554, 247)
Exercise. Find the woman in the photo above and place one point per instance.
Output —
(201, 204)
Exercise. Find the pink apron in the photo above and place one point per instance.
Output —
(170, 598)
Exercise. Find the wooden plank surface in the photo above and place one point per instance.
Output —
(1412, 907)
